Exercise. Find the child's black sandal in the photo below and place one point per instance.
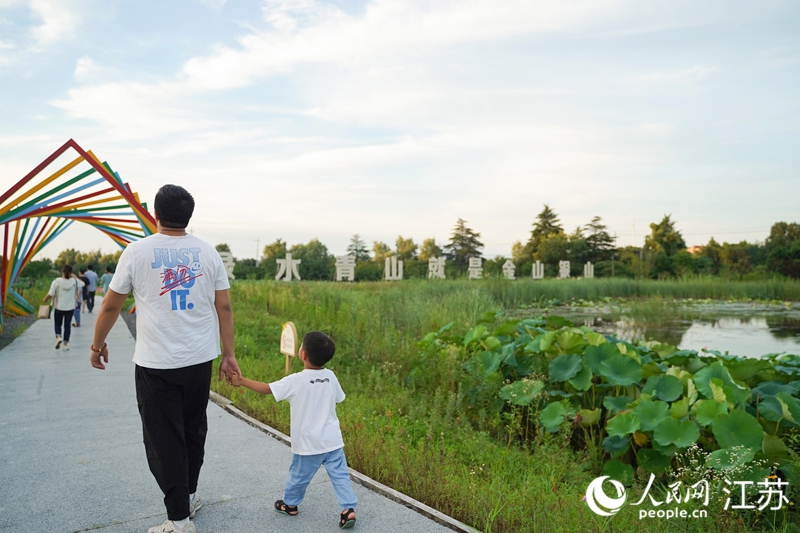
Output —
(289, 510)
(344, 521)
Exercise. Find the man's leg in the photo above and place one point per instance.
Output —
(301, 471)
(90, 303)
(160, 397)
(197, 385)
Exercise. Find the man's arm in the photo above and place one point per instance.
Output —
(228, 367)
(109, 312)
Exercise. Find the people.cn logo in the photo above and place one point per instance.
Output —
(599, 502)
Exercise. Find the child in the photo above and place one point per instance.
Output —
(316, 436)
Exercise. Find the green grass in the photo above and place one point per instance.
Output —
(414, 435)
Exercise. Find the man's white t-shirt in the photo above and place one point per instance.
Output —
(65, 293)
(313, 395)
(174, 280)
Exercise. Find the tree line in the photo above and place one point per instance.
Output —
(664, 254)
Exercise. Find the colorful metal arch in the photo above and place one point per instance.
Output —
(34, 212)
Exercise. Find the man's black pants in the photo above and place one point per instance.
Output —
(90, 300)
(172, 405)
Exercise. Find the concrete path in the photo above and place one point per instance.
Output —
(72, 458)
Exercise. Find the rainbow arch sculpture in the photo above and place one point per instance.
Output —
(35, 211)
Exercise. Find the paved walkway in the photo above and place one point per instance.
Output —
(72, 458)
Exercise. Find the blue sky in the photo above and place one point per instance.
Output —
(300, 118)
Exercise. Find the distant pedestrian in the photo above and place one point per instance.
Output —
(316, 435)
(76, 313)
(106, 279)
(85, 290)
(91, 275)
(65, 292)
(183, 311)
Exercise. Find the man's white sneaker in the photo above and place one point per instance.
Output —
(66, 346)
(194, 505)
(169, 527)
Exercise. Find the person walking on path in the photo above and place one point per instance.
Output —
(91, 275)
(183, 310)
(85, 290)
(65, 293)
(316, 435)
(76, 313)
(106, 278)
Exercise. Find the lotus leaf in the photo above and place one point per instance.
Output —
(792, 404)
(489, 361)
(594, 355)
(747, 369)
(622, 424)
(546, 341)
(526, 364)
(735, 393)
(489, 317)
(621, 370)
(728, 458)
(691, 391)
(739, 428)
(680, 408)
(521, 392)
(509, 327)
(476, 333)
(651, 413)
(616, 446)
(790, 371)
(565, 367)
(707, 410)
(619, 471)
(558, 322)
(491, 343)
(681, 433)
(594, 338)
(651, 369)
(552, 416)
(680, 358)
(640, 438)
(653, 460)
(717, 391)
(568, 341)
(665, 387)
(772, 388)
(560, 393)
(773, 409)
(616, 403)
(583, 380)
(589, 417)
(663, 350)
(775, 449)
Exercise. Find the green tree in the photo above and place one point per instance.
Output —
(272, 252)
(463, 244)
(380, 251)
(736, 259)
(315, 261)
(406, 249)
(713, 252)
(429, 249)
(600, 243)
(783, 249)
(223, 247)
(664, 237)
(358, 248)
(545, 225)
(37, 269)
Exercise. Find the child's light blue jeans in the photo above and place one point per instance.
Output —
(303, 469)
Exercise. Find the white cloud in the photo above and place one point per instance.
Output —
(60, 20)
(86, 68)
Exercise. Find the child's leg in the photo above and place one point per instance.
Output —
(336, 466)
(301, 472)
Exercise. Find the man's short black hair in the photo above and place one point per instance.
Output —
(319, 348)
(174, 206)
(90, 267)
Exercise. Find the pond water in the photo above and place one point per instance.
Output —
(746, 330)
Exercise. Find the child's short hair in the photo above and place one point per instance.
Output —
(319, 347)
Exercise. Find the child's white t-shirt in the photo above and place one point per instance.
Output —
(312, 395)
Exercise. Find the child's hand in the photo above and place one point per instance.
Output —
(236, 381)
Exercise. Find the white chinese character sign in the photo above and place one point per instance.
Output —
(537, 272)
(393, 270)
(508, 269)
(588, 270)
(475, 269)
(436, 268)
(288, 266)
(227, 260)
(563, 269)
(345, 268)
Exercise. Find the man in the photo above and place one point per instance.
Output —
(182, 310)
(91, 275)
